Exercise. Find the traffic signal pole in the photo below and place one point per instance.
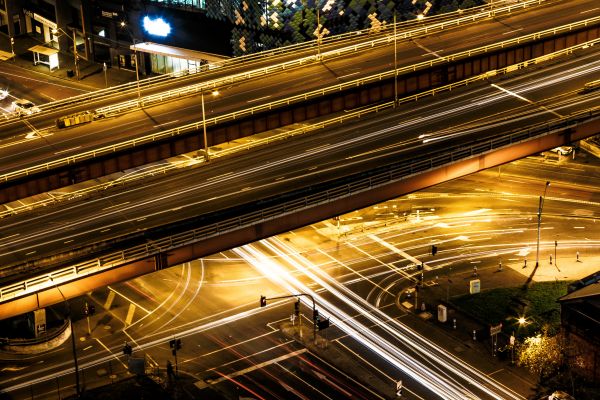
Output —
(263, 303)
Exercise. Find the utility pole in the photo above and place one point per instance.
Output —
(395, 65)
(540, 207)
(76, 55)
(263, 303)
(73, 347)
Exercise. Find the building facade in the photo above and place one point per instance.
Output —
(580, 327)
(104, 30)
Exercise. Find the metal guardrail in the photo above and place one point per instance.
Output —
(231, 79)
(405, 35)
(496, 7)
(464, 16)
(268, 106)
(395, 172)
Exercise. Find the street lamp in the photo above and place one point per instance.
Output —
(137, 74)
(215, 93)
(12, 47)
(75, 54)
(74, 348)
(541, 206)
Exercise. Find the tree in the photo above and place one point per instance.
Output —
(541, 354)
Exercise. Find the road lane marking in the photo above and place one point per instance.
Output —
(398, 251)
(428, 50)
(129, 300)
(513, 31)
(130, 313)
(111, 353)
(258, 99)
(166, 123)
(116, 205)
(109, 300)
(203, 384)
(526, 100)
(590, 10)
(64, 151)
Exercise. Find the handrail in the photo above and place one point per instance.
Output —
(231, 79)
(395, 172)
(422, 29)
(267, 106)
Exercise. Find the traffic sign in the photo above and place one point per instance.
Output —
(494, 330)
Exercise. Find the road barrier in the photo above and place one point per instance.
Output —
(268, 106)
(401, 170)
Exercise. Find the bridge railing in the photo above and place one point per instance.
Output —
(242, 76)
(253, 110)
(400, 170)
(447, 20)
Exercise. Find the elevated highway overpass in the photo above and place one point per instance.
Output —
(142, 136)
(232, 201)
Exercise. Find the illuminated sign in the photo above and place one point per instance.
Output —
(156, 26)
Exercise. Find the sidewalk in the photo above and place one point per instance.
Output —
(470, 339)
(92, 76)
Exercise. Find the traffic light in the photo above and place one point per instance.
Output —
(89, 309)
(127, 350)
(316, 316)
(263, 301)
(175, 344)
(324, 324)
(297, 309)
(433, 250)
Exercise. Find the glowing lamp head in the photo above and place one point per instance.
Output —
(156, 26)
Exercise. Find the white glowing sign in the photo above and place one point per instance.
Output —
(156, 26)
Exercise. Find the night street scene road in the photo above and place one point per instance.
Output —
(327, 199)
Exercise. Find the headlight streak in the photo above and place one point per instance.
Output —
(147, 345)
(203, 186)
(475, 377)
(357, 331)
(191, 299)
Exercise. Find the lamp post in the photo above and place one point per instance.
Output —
(74, 348)
(395, 65)
(137, 74)
(75, 54)
(541, 206)
(215, 93)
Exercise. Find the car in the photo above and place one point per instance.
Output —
(562, 150)
(24, 107)
(3, 94)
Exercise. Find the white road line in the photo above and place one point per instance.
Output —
(258, 99)
(129, 300)
(397, 250)
(202, 384)
(64, 151)
(526, 100)
(428, 50)
(113, 354)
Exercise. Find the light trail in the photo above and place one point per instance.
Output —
(359, 332)
(441, 358)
